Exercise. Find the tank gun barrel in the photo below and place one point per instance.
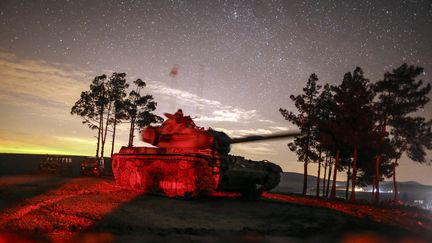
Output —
(263, 137)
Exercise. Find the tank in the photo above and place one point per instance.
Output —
(188, 161)
(92, 166)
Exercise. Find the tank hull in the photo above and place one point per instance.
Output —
(167, 172)
(188, 173)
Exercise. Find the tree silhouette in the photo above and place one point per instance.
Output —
(355, 114)
(349, 123)
(139, 109)
(399, 97)
(306, 104)
(325, 114)
(91, 107)
(105, 105)
(117, 87)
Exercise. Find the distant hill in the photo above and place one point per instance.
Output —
(293, 182)
(409, 191)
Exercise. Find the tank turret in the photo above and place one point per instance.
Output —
(179, 131)
(188, 161)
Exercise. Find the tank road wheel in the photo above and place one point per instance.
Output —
(123, 178)
(203, 180)
(127, 176)
(115, 168)
(169, 186)
(134, 180)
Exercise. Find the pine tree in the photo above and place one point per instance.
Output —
(105, 106)
(355, 116)
(117, 86)
(399, 97)
(410, 135)
(140, 110)
(306, 120)
(91, 107)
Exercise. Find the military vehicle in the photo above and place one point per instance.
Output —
(92, 166)
(189, 161)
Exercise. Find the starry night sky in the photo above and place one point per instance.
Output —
(238, 62)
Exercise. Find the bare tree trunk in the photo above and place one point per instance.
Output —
(377, 179)
(319, 173)
(347, 181)
(378, 164)
(354, 175)
(106, 130)
(333, 190)
(131, 132)
(102, 142)
(98, 140)
(328, 177)
(395, 188)
(305, 172)
(324, 176)
(101, 133)
(113, 136)
(305, 176)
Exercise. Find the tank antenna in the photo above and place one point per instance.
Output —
(200, 89)
(173, 74)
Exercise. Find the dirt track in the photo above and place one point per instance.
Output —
(84, 209)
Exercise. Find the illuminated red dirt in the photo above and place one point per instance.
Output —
(44, 209)
(60, 213)
(408, 218)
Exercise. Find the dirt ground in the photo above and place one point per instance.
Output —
(47, 208)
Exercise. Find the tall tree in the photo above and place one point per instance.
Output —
(115, 90)
(399, 97)
(324, 116)
(91, 107)
(355, 114)
(305, 119)
(105, 105)
(140, 110)
(117, 86)
(413, 136)
(120, 115)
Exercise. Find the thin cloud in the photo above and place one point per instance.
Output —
(40, 79)
(220, 112)
(230, 115)
(266, 121)
(180, 95)
(253, 150)
(282, 129)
